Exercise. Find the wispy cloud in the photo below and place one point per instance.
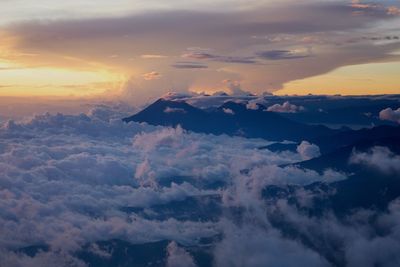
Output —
(282, 54)
(153, 56)
(189, 65)
(151, 76)
(201, 55)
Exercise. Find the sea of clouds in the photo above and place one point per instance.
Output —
(67, 181)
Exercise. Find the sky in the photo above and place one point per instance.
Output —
(138, 50)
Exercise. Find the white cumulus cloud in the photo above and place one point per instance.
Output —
(286, 107)
(389, 114)
(308, 151)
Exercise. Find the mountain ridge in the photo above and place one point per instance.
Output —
(230, 118)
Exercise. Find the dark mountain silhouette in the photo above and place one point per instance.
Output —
(340, 139)
(366, 186)
(339, 158)
(231, 118)
(341, 143)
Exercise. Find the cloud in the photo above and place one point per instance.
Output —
(151, 76)
(132, 90)
(282, 54)
(357, 4)
(308, 151)
(174, 110)
(286, 107)
(189, 65)
(189, 151)
(177, 95)
(393, 11)
(251, 246)
(89, 41)
(61, 259)
(387, 38)
(153, 56)
(389, 114)
(378, 157)
(69, 181)
(290, 175)
(256, 103)
(199, 55)
(239, 60)
(178, 257)
(83, 168)
(374, 9)
(228, 111)
(351, 234)
(74, 172)
(98, 251)
(234, 88)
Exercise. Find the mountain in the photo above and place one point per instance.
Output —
(336, 140)
(365, 187)
(355, 112)
(339, 158)
(230, 118)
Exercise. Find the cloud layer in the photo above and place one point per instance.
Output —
(70, 181)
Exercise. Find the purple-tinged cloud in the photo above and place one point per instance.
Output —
(174, 110)
(286, 107)
(228, 111)
(219, 58)
(308, 151)
(68, 181)
(199, 55)
(178, 257)
(151, 76)
(189, 65)
(389, 114)
(281, 54)
(381, 158)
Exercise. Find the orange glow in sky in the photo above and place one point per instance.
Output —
(144, 50)
(374, 78)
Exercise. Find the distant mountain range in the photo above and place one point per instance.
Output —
(233, 118)
(366, 186)
(333, 111)
(230, 118)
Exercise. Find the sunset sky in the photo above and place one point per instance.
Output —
(142, 49)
